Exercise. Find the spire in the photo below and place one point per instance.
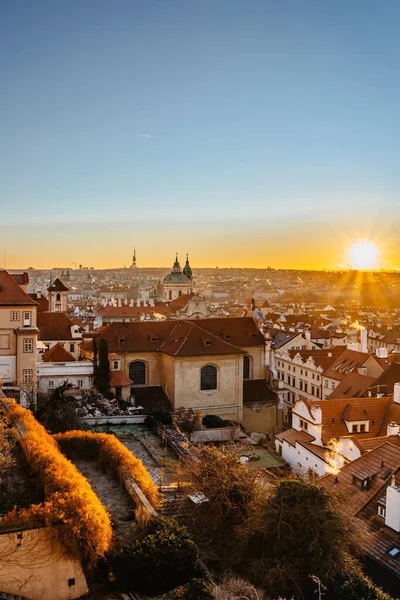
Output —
(133, 265)
(177, 267)
(187, 269)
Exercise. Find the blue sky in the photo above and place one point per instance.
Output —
(269, 122)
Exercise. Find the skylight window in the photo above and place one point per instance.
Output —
(394, 551)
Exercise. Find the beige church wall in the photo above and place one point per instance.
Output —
(153, 362)
(226, 400)
(258, 355)
(31, 565)
(168, 377)
(260, 417)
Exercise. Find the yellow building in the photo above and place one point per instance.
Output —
(200, 364)
(18, 332)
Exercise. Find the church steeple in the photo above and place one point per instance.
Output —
(134, 265)
(177, 267)
(187, 269)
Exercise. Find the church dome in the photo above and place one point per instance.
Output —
(176, 278)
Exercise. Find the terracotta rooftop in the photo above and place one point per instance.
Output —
(57, 354)
(379, 465)
(291, 436)
(377, 411)
(42, 302)
(119, 379)
(352, 385)
(54, 326)
(347, 362)
(182, 338)
(258, 390)
(11, 294)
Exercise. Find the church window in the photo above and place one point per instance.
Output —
(208, 378)
(58, 297)
(170, 295)
(137, 372)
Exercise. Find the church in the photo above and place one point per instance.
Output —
(178, 282)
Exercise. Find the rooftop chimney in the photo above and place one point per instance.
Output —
(364, 340)
(392, 518)
(307, 335)
(382, 352)
(393, 429)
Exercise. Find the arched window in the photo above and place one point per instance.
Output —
(58, 297)
(246, 367)
(137, 372)
(170, 294)
(208, 378)
(180, 292)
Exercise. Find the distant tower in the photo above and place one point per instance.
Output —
(58, 296)
(134, 265)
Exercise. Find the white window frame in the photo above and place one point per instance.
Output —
(28, 345)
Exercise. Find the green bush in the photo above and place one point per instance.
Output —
(163, 560)
(162, 416)
(360, 588)
(213, 421)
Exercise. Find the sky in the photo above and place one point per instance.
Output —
(244, 132)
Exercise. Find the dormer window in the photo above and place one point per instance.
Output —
(207, 343)
(115, 365)
(362, 482)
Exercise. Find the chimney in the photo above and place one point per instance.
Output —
(362, 370)
(392, 518)
(396, 393)
(393, 429)
(316, 413)
(364, 340)
(307, 335)
(382, 352)
(38, 294)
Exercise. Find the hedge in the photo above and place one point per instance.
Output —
(84, 526)
(114, 456)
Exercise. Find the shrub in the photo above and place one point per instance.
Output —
(358, 587)
(164, 559)
(213, 421)
(197, 589)
(114, 456)
(162, 416)
(84, 525)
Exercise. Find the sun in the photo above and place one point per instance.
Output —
(363, 255)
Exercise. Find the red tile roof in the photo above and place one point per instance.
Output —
(379, 464)
(11, 294)
(42, 301)
(291, 436)
(378, 411)
(183, 338)
(54, 326)
(119, 379)
(352, 385)
(57, 354)
(21, 278)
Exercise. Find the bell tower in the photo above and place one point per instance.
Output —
(58, 296)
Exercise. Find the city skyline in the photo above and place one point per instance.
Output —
(251, 135)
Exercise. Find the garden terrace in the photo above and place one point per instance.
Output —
(83, 525)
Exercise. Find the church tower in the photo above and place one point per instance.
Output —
(58, 296)
(134, 265)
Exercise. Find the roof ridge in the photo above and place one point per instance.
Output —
(213, 335)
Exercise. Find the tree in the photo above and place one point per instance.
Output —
(164, 559)
(59, 413)
(7, 441)
(101, 368)
(231, 497)
(302, 532)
